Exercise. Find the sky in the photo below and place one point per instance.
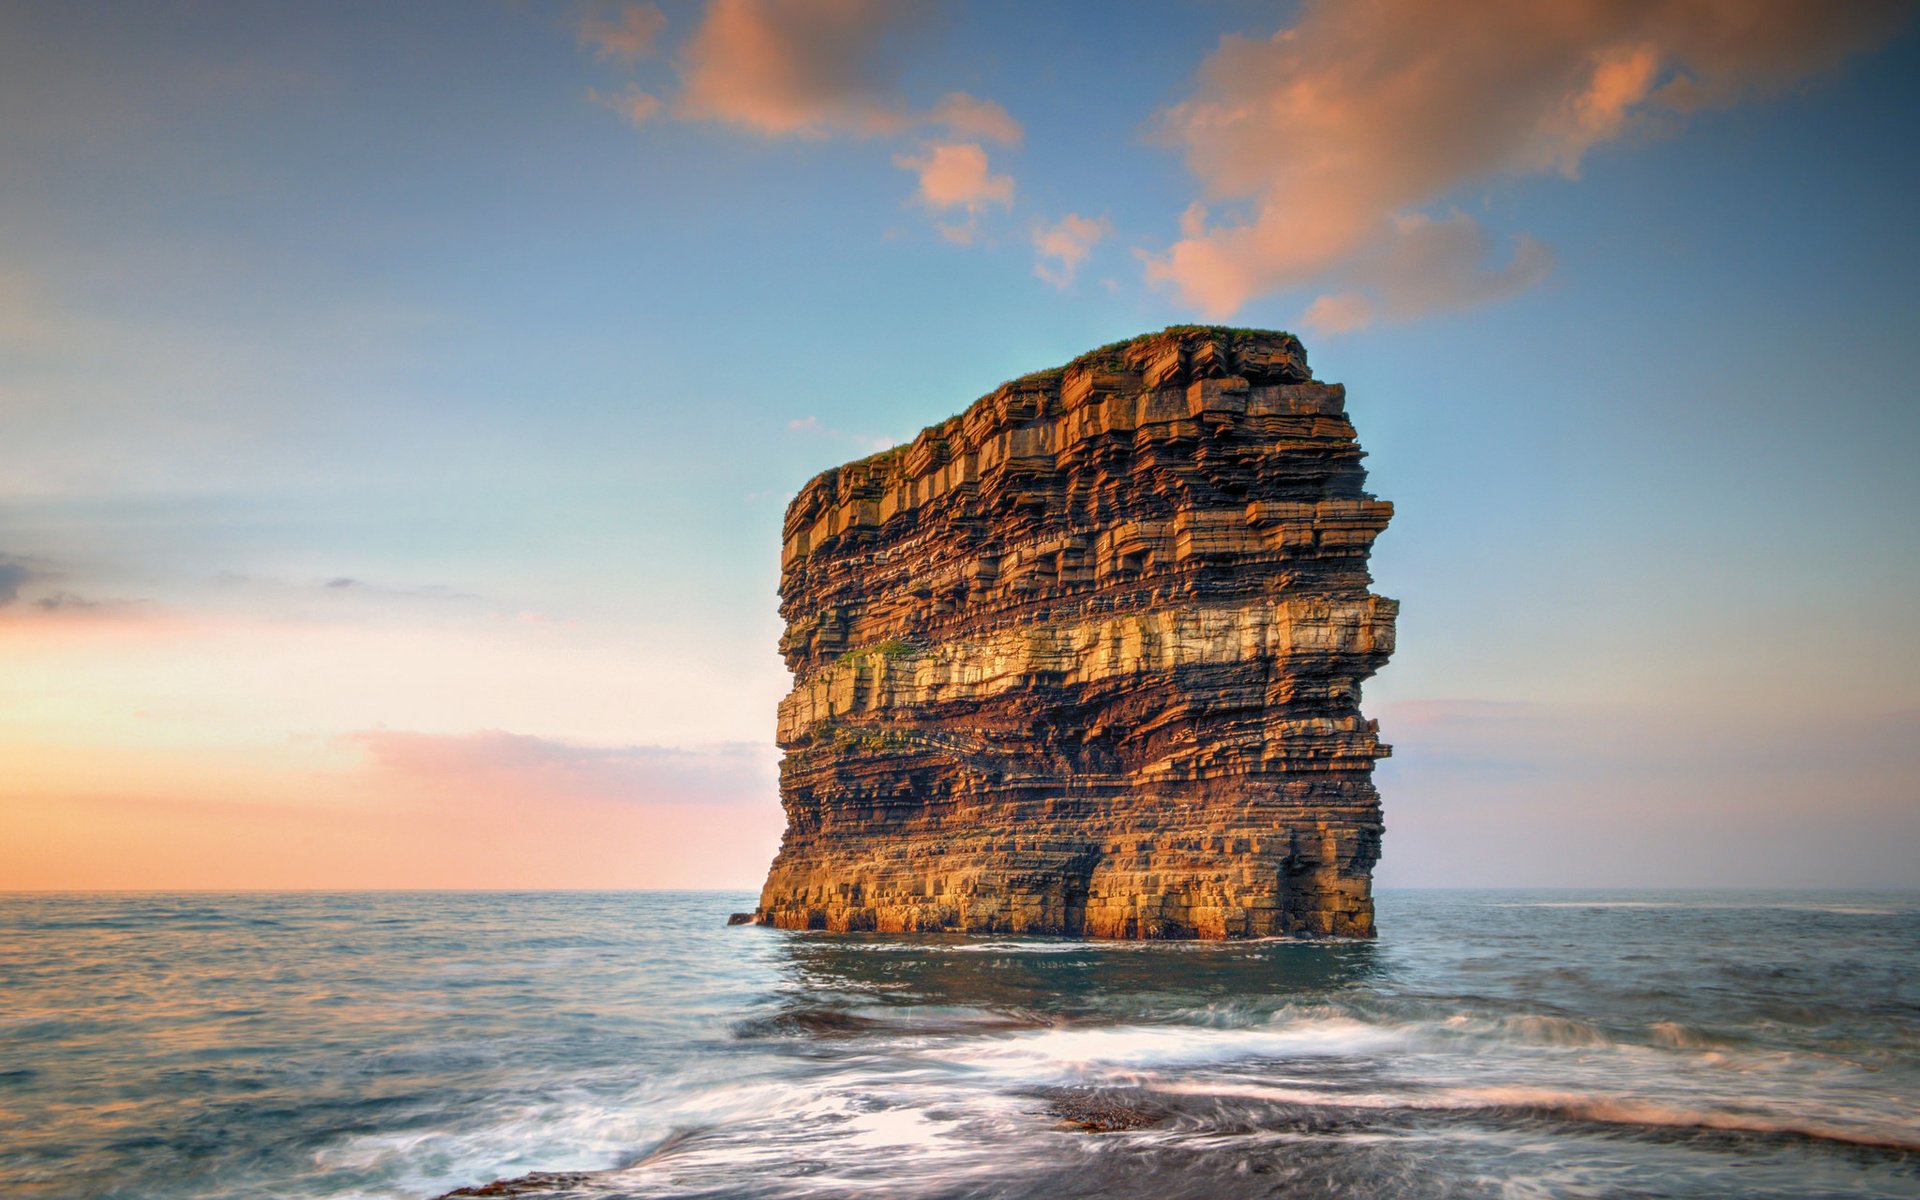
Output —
(398, 403)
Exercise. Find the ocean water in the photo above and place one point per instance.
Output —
(1489, 1044)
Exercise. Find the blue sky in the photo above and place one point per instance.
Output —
(390, 419)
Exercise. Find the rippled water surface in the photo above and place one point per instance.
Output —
(1490, 1044)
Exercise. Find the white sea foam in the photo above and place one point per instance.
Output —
(1076, 1051)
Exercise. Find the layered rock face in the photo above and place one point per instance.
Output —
(1086, 659)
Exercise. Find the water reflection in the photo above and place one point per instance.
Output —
(843, 977)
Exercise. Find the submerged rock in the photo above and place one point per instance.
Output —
(1105, 1110)
(1086, 659)
(538, 1184)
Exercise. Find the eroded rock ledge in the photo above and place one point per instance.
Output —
(1086, 659)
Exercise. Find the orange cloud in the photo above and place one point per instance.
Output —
(796, 67)
(1341, 313)
(1426, 265)
(955, 175)
(625, 37)
(1334, 132)
(810, 68)
(1067, 243)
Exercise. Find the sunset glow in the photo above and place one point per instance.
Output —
(399, 404)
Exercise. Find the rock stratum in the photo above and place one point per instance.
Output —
(1086, 659)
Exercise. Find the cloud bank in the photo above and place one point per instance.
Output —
(537, 770)
(1330, 138)
(1568, 795)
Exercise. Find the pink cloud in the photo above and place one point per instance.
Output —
(811, 68)
(628, 35)
(1330, 136)
(956, 175)
(797, 67)
(1338, 313)
(1060, 248)
(967, 116)
(636, 106)
(1426, 265)
(540, 770)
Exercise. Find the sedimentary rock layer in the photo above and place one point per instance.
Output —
(1086, 659)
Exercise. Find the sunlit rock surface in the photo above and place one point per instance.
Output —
(1086, 659)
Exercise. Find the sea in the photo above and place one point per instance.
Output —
(632, 1044)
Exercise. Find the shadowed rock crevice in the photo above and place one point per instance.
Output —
(1086, 659)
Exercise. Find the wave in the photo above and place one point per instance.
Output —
(1552, 1030)
(1627, 1112)
(1653, 1114)
(1223, 1032)
(1071, 1052)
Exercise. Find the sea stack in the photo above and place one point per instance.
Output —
(1086, 660)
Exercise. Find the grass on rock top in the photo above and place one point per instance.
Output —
(1052, 373)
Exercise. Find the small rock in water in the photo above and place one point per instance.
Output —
(740, 919)
(1104, 1112)
(522, 1185)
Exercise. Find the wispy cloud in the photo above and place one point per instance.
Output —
(626, 34)
(1428, 266)
(813, 426)
(72, 602)
(637, 106)
(13, 576)
(816, 68)
(279, 590)
(1329, 138)
(1061, 247)
(1338, 313)
(964, 116)
(798, 67)
(19, 574)
(539, 770)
